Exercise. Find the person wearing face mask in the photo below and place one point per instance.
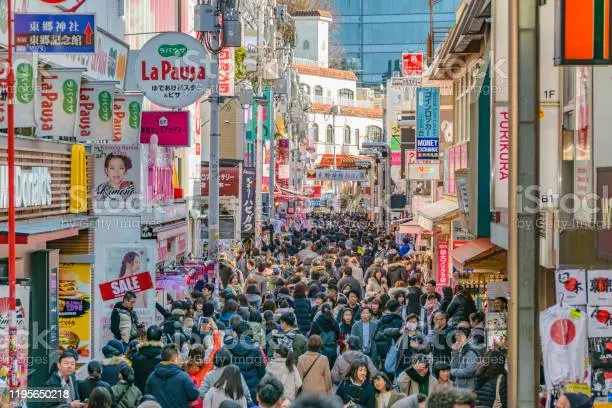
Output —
(411, 342)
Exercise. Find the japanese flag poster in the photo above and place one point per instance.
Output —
(599, 287)
(599, 321)
(571, 287)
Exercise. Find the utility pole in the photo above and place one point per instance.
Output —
(523, 253)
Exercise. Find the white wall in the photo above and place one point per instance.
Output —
(330, 86)
(307, 30)
(323, 43)
(362, 124)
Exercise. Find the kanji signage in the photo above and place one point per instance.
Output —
(248, 201)
(339, 175)
(55, 33)
(171, 128)
(171, 70)
(129, 283)
(428, 124)
(599, 287)
(229, 178)
(412, 64)
(571, 284)
(443, 263)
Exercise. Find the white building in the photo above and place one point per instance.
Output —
(357, 120)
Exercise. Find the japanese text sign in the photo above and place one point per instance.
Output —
(248, 201)
(412, 64)
(55, 33)
(428, 124)
(171, 127)
(443, 263)
(229, 178)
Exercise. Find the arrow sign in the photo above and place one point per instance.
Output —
(55, 33)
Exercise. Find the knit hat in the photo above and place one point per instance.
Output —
(578, 400)
(113, 348)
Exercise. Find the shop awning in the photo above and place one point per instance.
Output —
(43, 230)
(343, 161)
(473, 251)
(410, 228)
(436, 212)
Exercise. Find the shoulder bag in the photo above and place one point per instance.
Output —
(299, 391)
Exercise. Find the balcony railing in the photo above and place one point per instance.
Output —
(344, 102)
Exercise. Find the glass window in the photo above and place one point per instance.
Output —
(357, 141)
(374, 133)
(318, 90)
(315, 132)
(306, 45)
(346, 94)
(305, 89)
(330, 134)
(347, 135)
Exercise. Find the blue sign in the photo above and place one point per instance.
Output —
(55, 33)
(428, 124)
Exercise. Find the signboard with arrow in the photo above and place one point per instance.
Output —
(55, 33)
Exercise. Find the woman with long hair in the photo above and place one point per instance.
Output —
(346, 326)
(131, 265)
(447, 297)
(357, 389)
(281, 366)
(235, 283)
(492, 381)
(302, 307)
(377, 284)
(85, 387)
(100, 397)
(386, 396)
(125, 393)
(227, 387)
(325, 326)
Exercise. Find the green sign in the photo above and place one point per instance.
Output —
(105, 100)
(134, 112)
(25, 83)
(70, 89)
(175, 50)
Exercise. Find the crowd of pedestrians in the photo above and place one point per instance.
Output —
(330, 314)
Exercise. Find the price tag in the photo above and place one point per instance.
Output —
(575, 314)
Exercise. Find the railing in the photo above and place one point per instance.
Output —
(310, 62)
(344, 102)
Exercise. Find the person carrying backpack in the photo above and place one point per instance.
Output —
(125, 393)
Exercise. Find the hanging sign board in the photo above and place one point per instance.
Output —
(428, 124)
(171, 70)
(26, 77)
(127, 112)
(412, 64)
(171, 128)
(55, 33)
(95, 121)
(58, 101)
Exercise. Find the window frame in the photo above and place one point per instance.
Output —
(329, 131)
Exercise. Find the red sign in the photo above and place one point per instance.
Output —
(229, 181)
(171, 128)
(312, 191)
(119, 287)
(410, 157)
(443, 274)
(412, 64)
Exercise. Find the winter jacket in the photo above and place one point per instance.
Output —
(413, 300)
(463, 366)
(171, 386)
(357, 273)
(87, 386)
(215, 396)
(326, 327)
(396, 272)
(292, 381)
(258, 278)
(410, 381)
(388, 321)
(406, 349)
(197, 374)
(259, 335)
(444, 303)
(145, 360)
(55, 382)
(302, 310)
(349, 283)
(342, 366)
(393, 398)
(211, 379)
(111, 368)
(124, 323)
(318, 379)
(440, 344)
(374, 288)
(254, 300)
(370, 351)
(460, 308)
(299, 342)
(363, 395)
(248, 356)
(125, 395)
(486, 391)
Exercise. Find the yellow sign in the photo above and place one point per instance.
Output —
(78, 179)
(579, 388)
(74, 308)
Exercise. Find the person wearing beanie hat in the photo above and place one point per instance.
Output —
(574, 400)
(113, 362)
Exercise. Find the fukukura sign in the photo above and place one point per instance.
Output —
(171, 128)
(58, 101)
(132, 283)
(171, 70)
(501, 159)
(32, 187)
(95, 112)
(127, 113)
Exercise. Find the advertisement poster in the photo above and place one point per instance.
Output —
(26, 77)
(443, 263)
(571, 287)
(428, 124)
(95, 122)
(600, 351)
(117, 172)
(601, 381)
(599, 320)
(58, 101)
(23, 322)
(117, 288)
(74, 308)
(127, 112)
(248, 201)
(599, 287)
(171, 127)
(123, 261)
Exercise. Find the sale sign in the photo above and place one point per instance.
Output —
(119, 287)
(443, 263)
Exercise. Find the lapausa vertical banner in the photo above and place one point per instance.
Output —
(428, 124)
(58, 101)
(26, 75)
(248, 201)
(95, 112)
(127, 110)
(226, 72)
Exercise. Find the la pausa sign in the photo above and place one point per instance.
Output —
(166, 71)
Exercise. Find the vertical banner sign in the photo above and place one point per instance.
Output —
(428, 124)
(20, 369)
(26, 76)
(583, 172)
(226, 72)
(74, 308)
(501, 165)
(248, 201)
(127, 114)
(95, 112)
(58, 101)
(443, 263)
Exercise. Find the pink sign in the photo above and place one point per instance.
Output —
(396, 158)
(443, 275)
(171, 127)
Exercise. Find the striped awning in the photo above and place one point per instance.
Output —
(343, 161)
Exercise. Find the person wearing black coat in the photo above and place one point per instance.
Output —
(356, 388)
(461, 307)
(413, 297)
(147, 357)
(63, 376)
(302, 308)
(447, 297)
(490, 373)
(391, 320)
(326, 326)
(94, 369)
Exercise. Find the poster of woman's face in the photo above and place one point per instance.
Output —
(117, 172)
(126, 260)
